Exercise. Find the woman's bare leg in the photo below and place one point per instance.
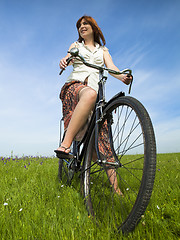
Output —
(87, 99)
(111, 173)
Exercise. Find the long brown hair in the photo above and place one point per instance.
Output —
(98, 35)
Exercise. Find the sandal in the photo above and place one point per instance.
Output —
(63, 154)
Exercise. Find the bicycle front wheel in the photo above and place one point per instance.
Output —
(118, 191)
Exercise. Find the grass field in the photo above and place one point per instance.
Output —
(33, 205)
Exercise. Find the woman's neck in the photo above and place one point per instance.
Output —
(90, 43)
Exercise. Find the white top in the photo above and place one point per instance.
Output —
(81, 72)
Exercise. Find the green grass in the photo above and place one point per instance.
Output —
(33, 205)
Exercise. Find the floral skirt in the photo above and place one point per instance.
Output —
(70, 96)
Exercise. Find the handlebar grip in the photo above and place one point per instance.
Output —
(61, 71)
(67, 61)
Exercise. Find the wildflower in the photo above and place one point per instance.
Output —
(143, 223)
(158, 207)
(127, 189)
(62, 185)
(5, 204)
(58, 196)
(20, 209)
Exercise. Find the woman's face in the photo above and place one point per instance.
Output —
(85, 29)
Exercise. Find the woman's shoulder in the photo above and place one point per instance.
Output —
(77, 44)
(106, 52)
(105, 48)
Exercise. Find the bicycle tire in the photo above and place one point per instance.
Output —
(65, 174)
(135, 174)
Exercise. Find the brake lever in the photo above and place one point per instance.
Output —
(130, 83)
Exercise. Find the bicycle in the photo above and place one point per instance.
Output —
(132, 142)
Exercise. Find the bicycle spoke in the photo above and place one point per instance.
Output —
(131, 146)
(123, 126)
(133, 161)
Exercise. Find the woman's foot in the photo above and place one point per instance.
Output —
(63, 152)
(118, 192)
(63, 149)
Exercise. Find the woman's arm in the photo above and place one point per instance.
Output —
(109, 64)
(63, 63)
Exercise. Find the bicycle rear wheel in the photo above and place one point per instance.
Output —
(66, 171)
(134, 150)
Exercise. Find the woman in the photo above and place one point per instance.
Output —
(79, 93)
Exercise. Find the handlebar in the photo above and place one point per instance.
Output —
(75, 54)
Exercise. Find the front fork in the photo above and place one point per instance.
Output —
(102, 160)
(99, 118)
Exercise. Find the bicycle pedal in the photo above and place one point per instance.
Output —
(62, 155)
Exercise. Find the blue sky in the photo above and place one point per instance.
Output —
(35, 35)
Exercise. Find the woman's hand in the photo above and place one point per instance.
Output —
(126, 79)
(63, 63)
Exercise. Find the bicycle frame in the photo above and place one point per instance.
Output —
(97, 116)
